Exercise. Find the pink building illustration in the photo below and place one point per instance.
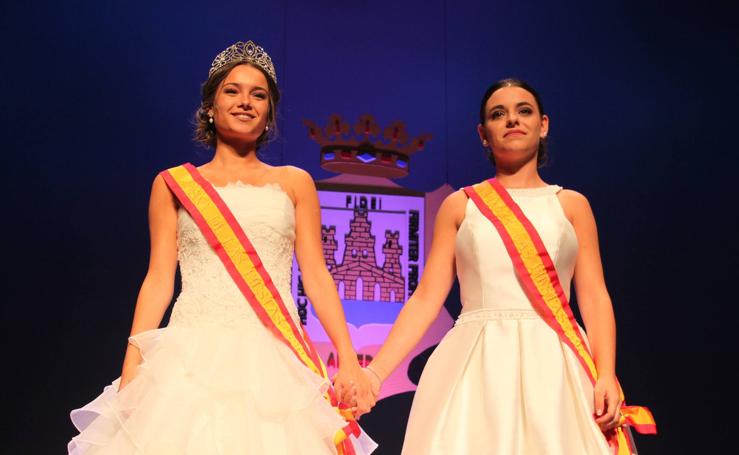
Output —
(358, 277)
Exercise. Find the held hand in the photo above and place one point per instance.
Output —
(375, 381)
(375, 385)
(354, 388)
(607, 397)
(363, 406)
(365, 400)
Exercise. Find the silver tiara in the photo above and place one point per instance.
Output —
(244, 52)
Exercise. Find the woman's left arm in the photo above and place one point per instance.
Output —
(321, 290)
(595, 307)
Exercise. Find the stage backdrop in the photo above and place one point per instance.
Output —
(98, 97)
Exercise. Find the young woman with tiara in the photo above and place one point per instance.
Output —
(516, 374)
(233, 372)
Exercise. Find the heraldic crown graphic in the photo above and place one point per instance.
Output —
(364, 152)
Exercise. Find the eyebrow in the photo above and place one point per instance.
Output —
(500, 106)
(256, 87)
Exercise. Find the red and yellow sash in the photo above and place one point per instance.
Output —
(227, 238)
(540, 282)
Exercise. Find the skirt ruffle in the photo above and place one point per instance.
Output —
(212, 390)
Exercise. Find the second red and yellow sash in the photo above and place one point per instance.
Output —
(540, 282)
(229, 241)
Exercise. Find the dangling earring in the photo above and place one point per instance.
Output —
(210, 119)
(266, 128)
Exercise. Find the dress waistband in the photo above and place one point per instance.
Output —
(490, 314)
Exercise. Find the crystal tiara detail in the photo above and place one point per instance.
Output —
(247, 52)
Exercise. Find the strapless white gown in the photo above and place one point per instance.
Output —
(215, 380)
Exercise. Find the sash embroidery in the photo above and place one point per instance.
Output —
(228, 240)
(540, 282)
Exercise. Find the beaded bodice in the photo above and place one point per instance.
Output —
(209, 294)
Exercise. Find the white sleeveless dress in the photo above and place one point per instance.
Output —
(215, 380)
(501, 382)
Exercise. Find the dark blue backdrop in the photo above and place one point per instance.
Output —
(98, 97)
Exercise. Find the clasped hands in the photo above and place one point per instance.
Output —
(357, 388)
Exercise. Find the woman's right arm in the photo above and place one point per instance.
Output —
(423, 307)
(158, 286)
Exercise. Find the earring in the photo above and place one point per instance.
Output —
(210, 119)
(266, 128)
(484, 142)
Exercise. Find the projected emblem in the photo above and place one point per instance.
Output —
(373, 239)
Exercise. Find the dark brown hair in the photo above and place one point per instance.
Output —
(205, 132)
(541, 155)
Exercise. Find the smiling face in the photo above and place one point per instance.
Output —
(513, 125)
(241, 108)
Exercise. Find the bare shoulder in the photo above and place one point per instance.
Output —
(295, 181)
(159, 187)
(453, 207)
(294, 172)
(162, 197)
(575, 205)
(292, 175)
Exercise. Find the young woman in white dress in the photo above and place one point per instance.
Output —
(216, 380)
(502, 381)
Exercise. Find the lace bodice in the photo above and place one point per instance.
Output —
(487, 278)
(209, 294)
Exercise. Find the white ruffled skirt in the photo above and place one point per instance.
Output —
(212, 390)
